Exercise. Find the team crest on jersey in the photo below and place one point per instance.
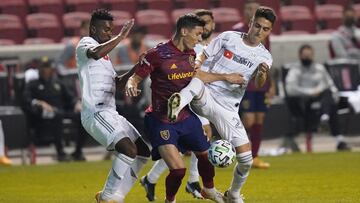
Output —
(165, 134)
(192, 61)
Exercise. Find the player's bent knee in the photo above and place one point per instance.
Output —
(142, 148)
(127, 147)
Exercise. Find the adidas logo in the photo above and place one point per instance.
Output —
(173, 66)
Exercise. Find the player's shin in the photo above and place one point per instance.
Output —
(241, 172)
(173, 182)
(194, 172)
(206, 170)
(131, 175)
(155, 172)
(120, 165)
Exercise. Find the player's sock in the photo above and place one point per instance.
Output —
(193, 90)
(155, 172)
(206, 171)
(255, 137)
(173, 182)
(120, 165)
(2, 142)
(241, 172)
(131, 175)
(193, 173)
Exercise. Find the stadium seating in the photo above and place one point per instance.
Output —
(14, 7)
(308, 3)
(329, 16)
(120, 17)
(342, 3)
(225, 18)
(39, 40)
(11, 28)
(155, 21)
(297, 18)
(120, 5)
(165, 5)
(357, 10)
(238, 4)
(81, 5)
(44, 25)
(192, 4)
(47, 6)
(6, 42)
(176, 13)
(72, 22)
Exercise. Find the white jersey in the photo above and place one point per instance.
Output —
(97, 79)
(229, 54)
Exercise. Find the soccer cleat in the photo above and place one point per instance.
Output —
(258, 163)
(195, 189)
(230, 199)
(213, 195)
(173, 106)
(343, 146)
(149, 188)
(4, 161)
(98, 199)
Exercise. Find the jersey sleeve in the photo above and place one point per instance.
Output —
(84, 44)
(215, 45)
(146, 64)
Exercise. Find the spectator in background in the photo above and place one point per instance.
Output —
(308, 82)
(132, 48)
(46, 100)
(67, 59)
(345, 42)
(4, 160)
(256, 100)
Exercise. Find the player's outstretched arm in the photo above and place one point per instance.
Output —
(103, 49)
(261, 74)
(131, 88)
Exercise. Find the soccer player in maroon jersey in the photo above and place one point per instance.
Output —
(171, 67)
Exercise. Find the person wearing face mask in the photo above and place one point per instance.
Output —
(306, 83)
(345, 41)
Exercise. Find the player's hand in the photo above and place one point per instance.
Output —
(77, 107)
(45, 106)
(126, 28)
(131, 89)
(235, 78)
(262, 68)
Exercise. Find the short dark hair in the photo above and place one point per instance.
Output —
(304, 46)
(204, 12)
(100, 14)
(267, 13)
(189, 20)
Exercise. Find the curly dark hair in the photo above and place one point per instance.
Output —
(100, 14)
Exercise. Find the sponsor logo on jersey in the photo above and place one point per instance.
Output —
(241, 60)
(179, 76)
(165, 134)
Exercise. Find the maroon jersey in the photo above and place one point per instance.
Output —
(170, 71)
(251, 85)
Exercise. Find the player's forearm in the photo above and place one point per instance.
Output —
(207, 77)
(103, 49)
(260, 79)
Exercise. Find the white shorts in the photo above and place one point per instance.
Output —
(227, 123)
(108, 127)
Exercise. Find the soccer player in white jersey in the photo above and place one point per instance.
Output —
(192, 185)
(232, 52)
(99, 116)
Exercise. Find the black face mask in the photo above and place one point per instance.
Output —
(349, 22)
(306, 62)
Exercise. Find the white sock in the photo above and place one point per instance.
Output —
(193, 90)
(155, 172)
(131, 175)
(120, 165)
(194, 173)
(241, 172)
(2, 142)
(339, 138)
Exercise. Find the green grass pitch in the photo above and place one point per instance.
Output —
(324, 177)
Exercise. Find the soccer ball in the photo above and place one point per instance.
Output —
(221, 153)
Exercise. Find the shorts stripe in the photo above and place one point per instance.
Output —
(102, 121)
